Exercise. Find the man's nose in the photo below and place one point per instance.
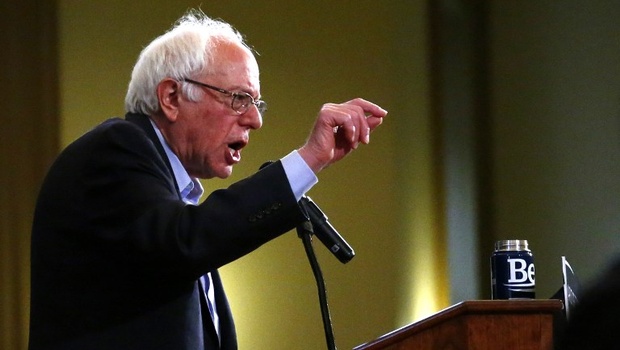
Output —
(252, 118)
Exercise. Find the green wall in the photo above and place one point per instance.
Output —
(555, 83)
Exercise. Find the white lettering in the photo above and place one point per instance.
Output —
(514, 271)
(531, 275)
(520, 272)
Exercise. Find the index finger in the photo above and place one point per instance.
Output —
(369, 107)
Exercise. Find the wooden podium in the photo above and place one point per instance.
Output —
(479, 325)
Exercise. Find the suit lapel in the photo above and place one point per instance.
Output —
(210, 334)
(228, 334)
(144, 122)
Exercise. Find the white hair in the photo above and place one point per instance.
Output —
(183, 51)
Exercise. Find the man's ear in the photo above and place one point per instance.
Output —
(169, 95)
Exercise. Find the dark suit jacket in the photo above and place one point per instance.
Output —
(116, 254)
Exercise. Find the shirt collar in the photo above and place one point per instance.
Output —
(191, 189)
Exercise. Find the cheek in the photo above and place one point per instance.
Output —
(208, 132)
(209, 139)
(203, 142)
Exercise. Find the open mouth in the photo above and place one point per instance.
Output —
(236, 146)
(235, 150)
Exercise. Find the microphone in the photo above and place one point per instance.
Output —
(324, 230)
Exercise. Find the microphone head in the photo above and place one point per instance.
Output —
(326, 233)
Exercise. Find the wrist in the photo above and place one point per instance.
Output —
(313, 162)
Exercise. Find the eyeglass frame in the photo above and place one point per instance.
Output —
(259, 104)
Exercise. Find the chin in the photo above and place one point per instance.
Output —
(224, 173)
(211, 172)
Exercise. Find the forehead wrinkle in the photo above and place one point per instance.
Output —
(238, 72)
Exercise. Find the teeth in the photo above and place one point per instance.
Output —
(236, 155)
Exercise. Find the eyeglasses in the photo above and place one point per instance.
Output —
(241, 101)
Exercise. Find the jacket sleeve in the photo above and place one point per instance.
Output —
(111, 197)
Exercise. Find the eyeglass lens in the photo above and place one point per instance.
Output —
(241, 103)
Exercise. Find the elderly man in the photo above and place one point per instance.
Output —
(123, 254)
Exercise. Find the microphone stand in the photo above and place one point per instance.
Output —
(305, 232)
